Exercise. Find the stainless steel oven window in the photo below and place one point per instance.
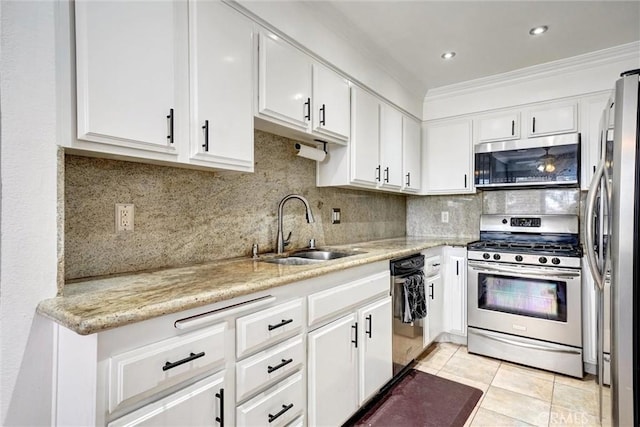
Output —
(540, 298)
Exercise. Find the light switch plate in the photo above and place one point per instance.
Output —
(335, 216)
(444, 216)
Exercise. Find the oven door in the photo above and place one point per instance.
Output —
(542, 303)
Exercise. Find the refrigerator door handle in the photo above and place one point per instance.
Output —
(598, 276)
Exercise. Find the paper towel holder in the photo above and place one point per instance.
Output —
(324, 145)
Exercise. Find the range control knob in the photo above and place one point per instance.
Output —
(486, 256)
(542, 260)
(518, 258)
(496, 256)
(555, 261)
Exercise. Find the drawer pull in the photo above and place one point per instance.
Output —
(285, 362)
(369, 320)
(284, 409)
(284, 322)
(192, 356)
(431, 289)
(220, 396)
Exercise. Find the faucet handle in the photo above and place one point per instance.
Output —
(287, 240)
(312, 243)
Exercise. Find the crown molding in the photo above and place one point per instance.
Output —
(548, 69)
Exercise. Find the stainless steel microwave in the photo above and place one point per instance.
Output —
(537, 162)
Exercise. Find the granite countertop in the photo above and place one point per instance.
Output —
(96, 304)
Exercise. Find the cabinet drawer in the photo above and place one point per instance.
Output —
(195, 405)
(277, 406)
(268, 366)
(149, 369)
(325, 304)
(432, 266)
(265, 327)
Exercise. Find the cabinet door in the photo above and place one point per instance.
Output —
(202, 403)
(131, 60)
(447, 157)
(411, 155)
(365, 138)
(332, 104)
(284, 82)
(455, 291)
(434, 309)
(499, 127)
(375, 352)
(221, 63)
(390, 147)
(591, 114)
(333, 372)
(552, 119)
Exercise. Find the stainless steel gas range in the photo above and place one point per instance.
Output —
(524, 291)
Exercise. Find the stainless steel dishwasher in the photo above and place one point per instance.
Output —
(408, 338)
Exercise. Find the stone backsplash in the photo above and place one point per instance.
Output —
(186, 217)
(424, 213)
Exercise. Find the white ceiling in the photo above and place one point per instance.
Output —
(406, 38)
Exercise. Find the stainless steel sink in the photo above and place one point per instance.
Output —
(309, 256)
(318, 254)
(292, 261)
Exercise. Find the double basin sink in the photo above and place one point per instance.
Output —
(310, 256)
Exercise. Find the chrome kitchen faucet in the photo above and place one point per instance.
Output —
(281, 240)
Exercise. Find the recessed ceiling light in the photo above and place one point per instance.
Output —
(536, 31)
(448, 55)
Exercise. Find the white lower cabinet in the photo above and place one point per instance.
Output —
(333, 372)
(349, 359)
(269, 366)
(199, 404)
(374, 347)
(435, 308)
(455, 290)
(249, 361)
(277, 406)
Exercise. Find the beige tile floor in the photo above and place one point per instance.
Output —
(515, 395)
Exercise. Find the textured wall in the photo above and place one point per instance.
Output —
(424, 216)
(424, 213)
(185, 216)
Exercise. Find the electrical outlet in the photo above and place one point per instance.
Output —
(124, 217)
(444, 216)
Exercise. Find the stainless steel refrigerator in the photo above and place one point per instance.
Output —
(613, 245)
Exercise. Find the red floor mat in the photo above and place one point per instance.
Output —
(421, 399)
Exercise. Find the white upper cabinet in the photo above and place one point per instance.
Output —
(447, 165)
(221, 64)
(591, 110)
(390, 147)
(284, 82)
(498, 127)
(411, 155)
(300, 95)
(554, 118)
(131, 84)
(384, 151)
(167, 82)
(331, 104)
(365, 138)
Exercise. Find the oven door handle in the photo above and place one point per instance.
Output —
(526, 345)
(538, 272)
